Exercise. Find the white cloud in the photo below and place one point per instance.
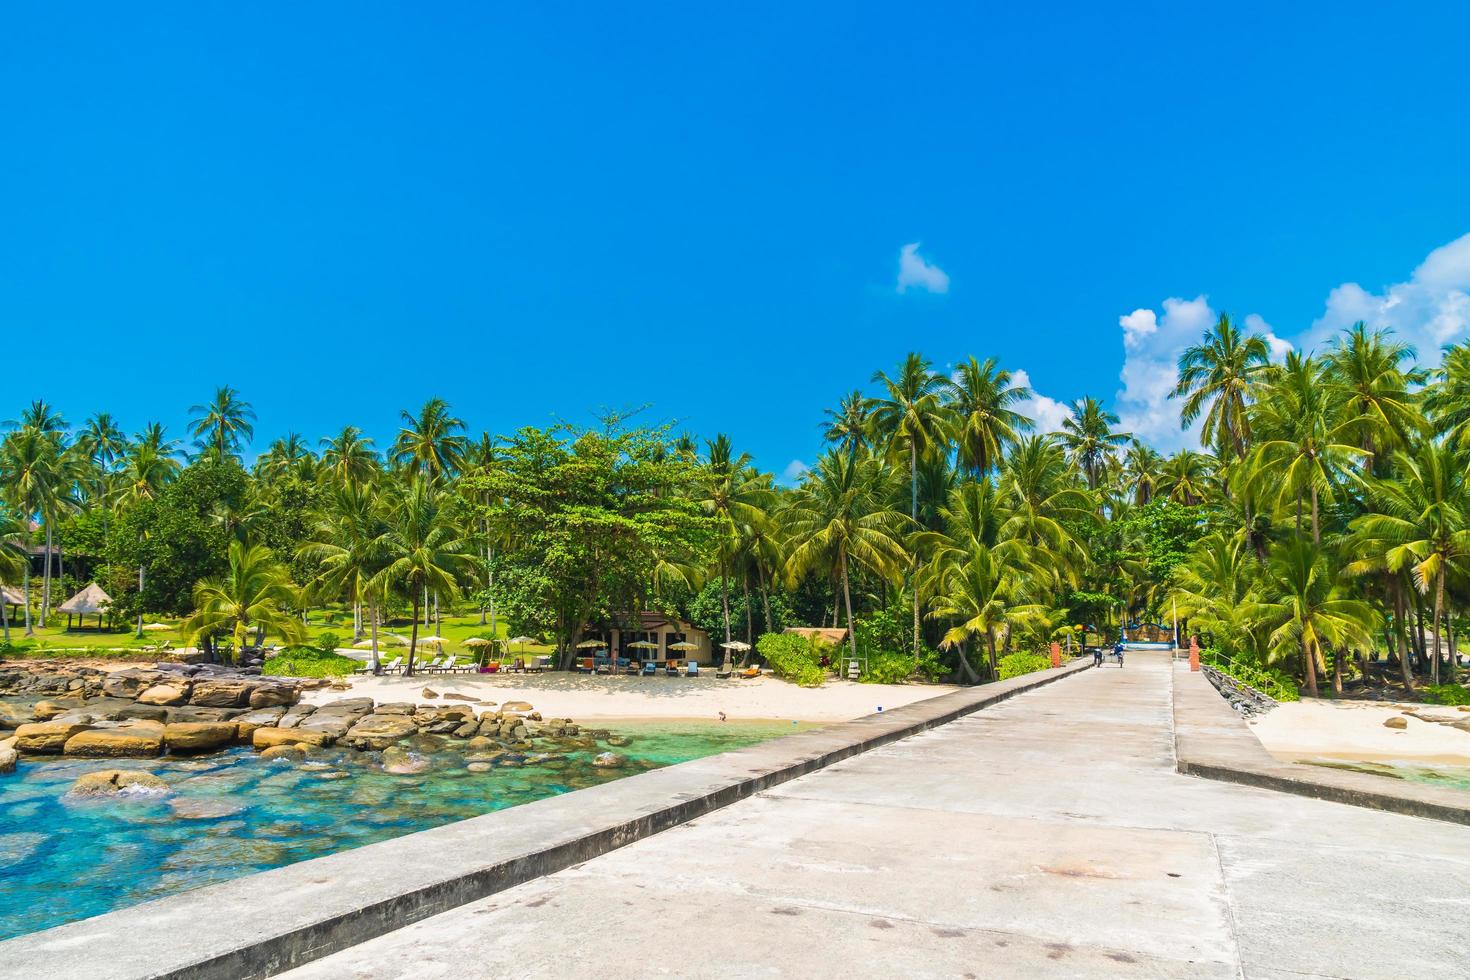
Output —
(795, 470)
(1137, 327)
(914, 271)
(1046, 412)
(1151, 346)
(1255, 323)
(1430, 310)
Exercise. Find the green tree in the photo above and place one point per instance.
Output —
(430, 443)
(983, 399)
(1215, 378)
(254, 595)
(223, 424)
(1090, 440)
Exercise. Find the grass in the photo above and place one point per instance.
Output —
(309, 663)
(54, 640)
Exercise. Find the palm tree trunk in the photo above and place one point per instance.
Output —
(438, 622)
(1337, 656)
(914, 508)
(1316, 525)
(1438, 610)
(749, 626)
(1449, 626)
(356, 622)
(765, 595)
(847, 598)
(413, 639)
(967, 671)
(1421, 649)
(46, 578)
(1310, 667)
(5, 618)
(725, 597)
(373, 617)
(990, 642)
(1401, 629)
(25, 579)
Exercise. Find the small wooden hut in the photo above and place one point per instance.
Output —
(91, 601)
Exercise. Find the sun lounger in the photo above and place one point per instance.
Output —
(724, 670)
(493, 667)
(692, 669)
(625, 665)
(750, 672)
(672, 668)
(649, 669)
(391, 667)
(586, 665)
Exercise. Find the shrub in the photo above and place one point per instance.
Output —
(1271, 683)
(792, 658)
(1016, 664)
(327, 642)
(1446, 694)
(889, 668)
(308, 662)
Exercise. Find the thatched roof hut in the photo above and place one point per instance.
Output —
(11, 596)
(91, 601)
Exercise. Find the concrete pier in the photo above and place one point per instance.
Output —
(1049, 835)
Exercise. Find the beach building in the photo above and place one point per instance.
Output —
(91, 601)
(660, 629)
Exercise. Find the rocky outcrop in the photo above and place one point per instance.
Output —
(265, 738)
(117, 782)
(402, 762)
(283, 753)
(46, 737)
(199, 736)
(225, 692)
(380, 731)
(142, 740)
(246, 724)
(167, 693)
(8, 757)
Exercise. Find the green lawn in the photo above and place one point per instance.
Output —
(55, 639)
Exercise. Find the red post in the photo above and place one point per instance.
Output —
(1194, 653)
(1056, 654)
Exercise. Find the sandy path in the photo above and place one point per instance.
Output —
(584, 697)
(1352, 730)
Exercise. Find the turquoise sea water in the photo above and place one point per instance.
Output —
(1447, 777)
(231, 814)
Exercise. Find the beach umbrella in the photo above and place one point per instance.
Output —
(522, 640)
(592, 645)
(478, 641)
(431, 641)
(739, 645)
(683, 645)
(157, 627)
(366, 644)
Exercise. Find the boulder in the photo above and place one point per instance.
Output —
(131, 682)
(196, 808)
(465, 729)
(396, 708)
(168, 692)
(480, 744)
(289, 753)
(401, 762)
(617, 741)
(141, 741)
(251, 720)
(379, 731)
(479, 767)
(47, 710)
(46, 737)
(350, 706)
(116, 782)
(296, 715)
(143, 712)
(516, 706)
(456, 696)
(221, 692)
(334, 725)
(199, 736)
(609, 760)
(1397, 721)
(264, 738)
(8, 759)
(188, 712)
(273, 695)
(429, 693)
(14, 715)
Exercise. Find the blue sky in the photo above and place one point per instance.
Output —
(539, 210)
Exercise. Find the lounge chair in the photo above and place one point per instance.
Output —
(586, 665)
(725, 670)
(625, 665)
(537, 664)
(604, 665)
(649, 669)
(751, 671)
(671, 668)
(692, 669)
(391, 667)
(493, 667)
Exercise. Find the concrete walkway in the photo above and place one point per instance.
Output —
(1048, 835)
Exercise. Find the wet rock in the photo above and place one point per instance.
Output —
(401, 762)
(479, 767)
(45, 738)
(296, 715)
(1397, 721)
(396, 708)
(117, 782)
(333, 725)
(195, 808)
(481, 744)
(143, 712)
(264, 738)
(142, 740)
(350, 706)
(429, 693)
(192, 713)
(516, 706)
(131, 682)
(198, 736)
(246, 724)
(48, 710)
(8, 759)
(609, 760)
(15, 715)
(618, 741)
(379, 731)
(283, 753)
(466, 729)
(166, 693)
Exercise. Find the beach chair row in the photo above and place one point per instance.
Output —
(652, 668)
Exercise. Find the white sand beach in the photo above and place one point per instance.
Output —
(1355, 731)
(586, 697)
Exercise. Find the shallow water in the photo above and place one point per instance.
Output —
(1447, 777)
(231, 814)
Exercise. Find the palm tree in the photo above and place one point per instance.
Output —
(981, 397)
(349, 456)
(1044, 508)
(286, 456)
(850, 425)
(912, 420)
(1187, 477)
(345, 550)
(983, 593)
(255, 595)
(149, 467)
(1141, 472)
(1090, 440)
(420, 552)
(14, 560)
(429, 442)
(1367, 367)
(224, 424)
(1213, 589)
(36, 477)
(1305, 607)
(839, 518)
(1421, 522)
(1447, 400)
(1214, 380)
(736, 496)
(1304, 449)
